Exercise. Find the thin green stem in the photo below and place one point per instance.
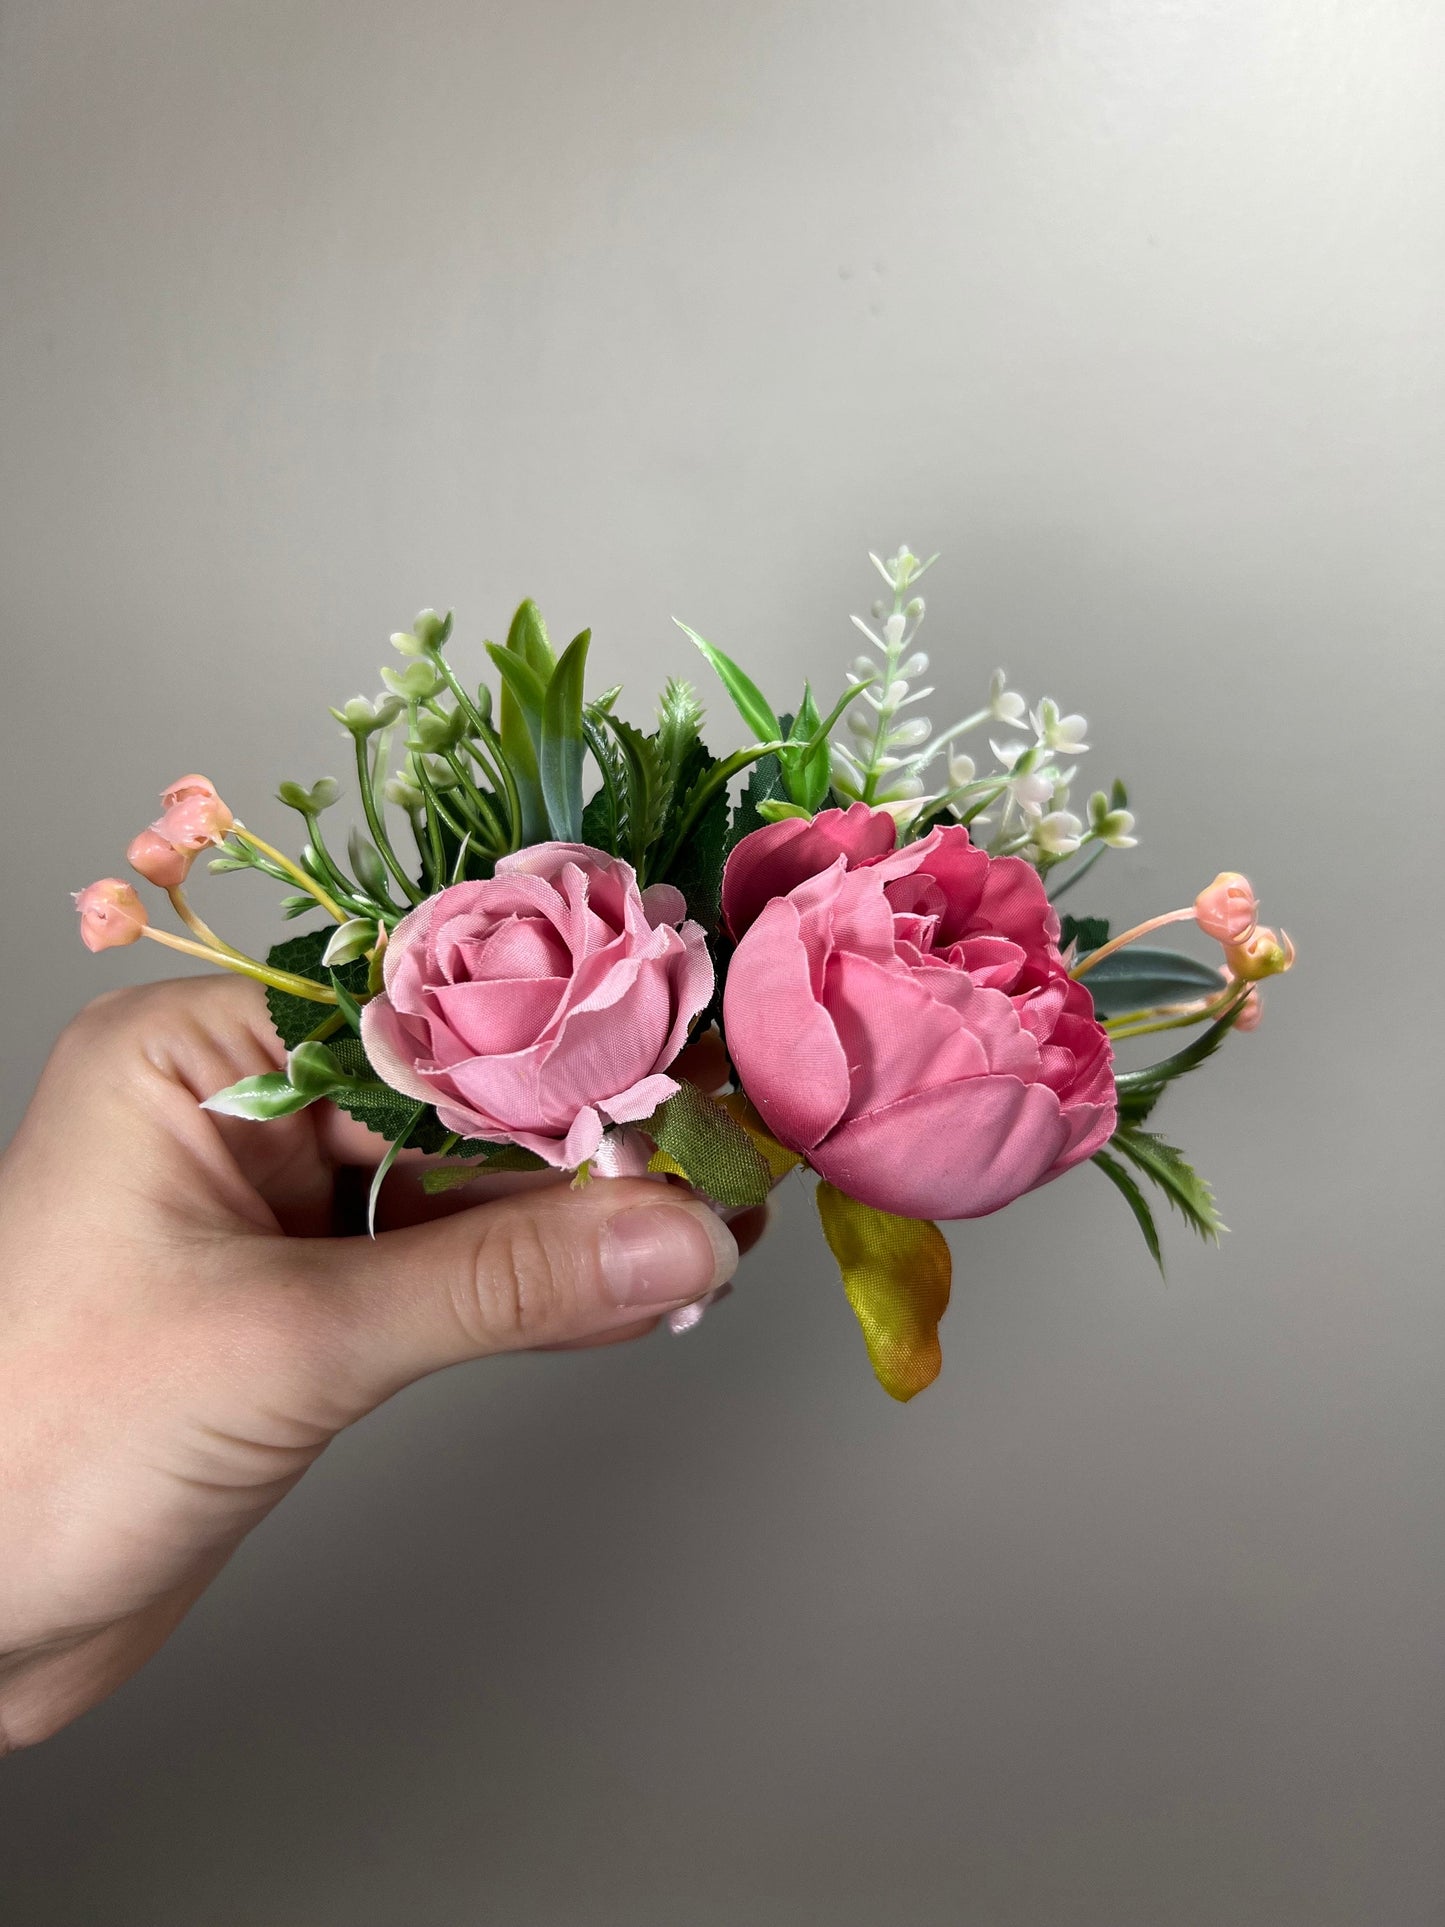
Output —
(488, 735)
(328, 1027)
(244, 967)
(718, 777)
(337, 881)
(194, 923)
(293, 870)
(1228, 1000)
(378, 829)
(1078, 875)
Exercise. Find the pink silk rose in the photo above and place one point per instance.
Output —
(903, 1017)
(536, 1006)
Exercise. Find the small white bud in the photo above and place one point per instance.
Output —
(909, 734)
(893, 630)
(961, 769)
(1004, 705)
(916, 665)
(1058, 833)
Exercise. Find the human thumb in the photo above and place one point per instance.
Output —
(542, 1267)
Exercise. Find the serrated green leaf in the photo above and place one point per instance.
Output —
(644, 784)
(1136, 1202)
(697, 868)
(1087, 932)
(561, 746)
(710, 1147)
(1141, 978)
(260, 1098)
(751, 704)
(295, 1017)
(1168, 1168)
(605, 815)
(679, 719)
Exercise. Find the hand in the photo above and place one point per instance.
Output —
(182, 1332)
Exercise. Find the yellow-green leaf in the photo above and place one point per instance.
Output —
(897, 1273)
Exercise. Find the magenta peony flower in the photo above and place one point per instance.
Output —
(535, 1006)
(903, 1017)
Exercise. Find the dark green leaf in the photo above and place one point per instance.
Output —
(697, 869)
(1139, 1091)
(560, 754)
(765, 779)
(296, 1017)
(346, 1003)
(1136, 1202)
(713, 1149)
(752, 705)
(1140, 978)
(1172, 1172)
(605, 815)
(1087, 932)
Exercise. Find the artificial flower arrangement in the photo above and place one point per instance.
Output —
(869, 927)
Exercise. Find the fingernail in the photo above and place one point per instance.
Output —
(665, 1254)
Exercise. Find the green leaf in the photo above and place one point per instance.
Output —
(528, 640)
(1139, 978)
(525, 666)
(697, 868)
(270, 1095)
(313, 1069)
(1087, 932)
(296, 1017)
(1136, 1202)
(898, 1273)
(605, 814)
(765, 783)
(346, 1003)
(644, 787)
(1171, 1171)
(350, 940)
(562, 743)
(386, 1163)
(772, 811)
(807, 772)
(501, 1157)
(711, 1148)
(679, 719)
(752, 705)
(1139, 1091)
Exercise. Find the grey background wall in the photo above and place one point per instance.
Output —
(316, 312)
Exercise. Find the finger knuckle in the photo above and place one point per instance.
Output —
(517, 1285)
